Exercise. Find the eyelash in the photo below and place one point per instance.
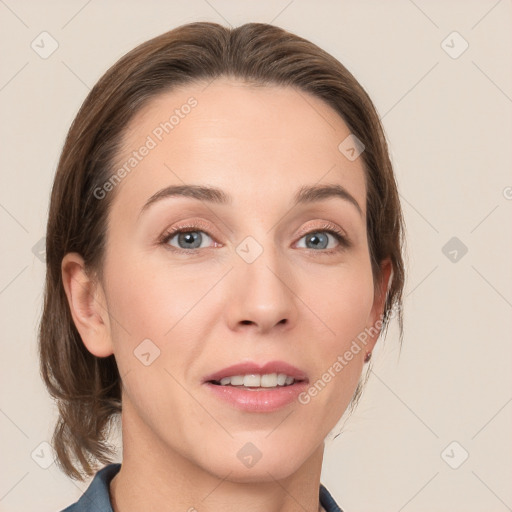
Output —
(337, 233)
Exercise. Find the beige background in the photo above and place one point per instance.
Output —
(449, 124)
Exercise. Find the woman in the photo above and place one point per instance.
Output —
(224, 248)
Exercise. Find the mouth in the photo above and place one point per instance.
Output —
(253, 375)
(254, 381)
(252, 387)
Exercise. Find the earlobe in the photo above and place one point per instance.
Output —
(87, 305)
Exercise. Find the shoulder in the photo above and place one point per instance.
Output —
(96, 497)
(327, 501)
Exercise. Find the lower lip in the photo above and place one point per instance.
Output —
(258, 399)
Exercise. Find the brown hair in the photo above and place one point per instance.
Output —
(87, 388)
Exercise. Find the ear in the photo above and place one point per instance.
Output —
(88, 305)
(379, 301)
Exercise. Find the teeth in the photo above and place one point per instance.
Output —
(252, 381)
(269, 380)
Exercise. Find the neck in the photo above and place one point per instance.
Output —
(154, 477)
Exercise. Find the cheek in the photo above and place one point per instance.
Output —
(150, 308)
(148, 298)
(341, 299)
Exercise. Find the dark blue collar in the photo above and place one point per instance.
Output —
(96, 498)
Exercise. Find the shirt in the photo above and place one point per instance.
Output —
(96, 498)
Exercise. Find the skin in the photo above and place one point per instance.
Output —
(211, 309)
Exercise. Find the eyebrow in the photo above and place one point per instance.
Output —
(306, 194)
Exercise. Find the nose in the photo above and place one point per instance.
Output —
(261, 294)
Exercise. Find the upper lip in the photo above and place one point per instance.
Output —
(250, 367)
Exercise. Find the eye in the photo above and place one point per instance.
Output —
(319, 239)
(186, 238)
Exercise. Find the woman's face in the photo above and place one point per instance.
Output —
(246, 285)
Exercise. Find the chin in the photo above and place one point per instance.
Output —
(261, 472)
(250, 465)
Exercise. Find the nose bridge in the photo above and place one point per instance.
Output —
(258, 261)
(263, 294)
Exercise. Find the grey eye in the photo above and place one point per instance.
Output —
(317, 239)
(188, 239)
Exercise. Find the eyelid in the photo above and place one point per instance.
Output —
(193, 225)
(325, 226)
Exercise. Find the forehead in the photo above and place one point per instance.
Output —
(256, 142)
